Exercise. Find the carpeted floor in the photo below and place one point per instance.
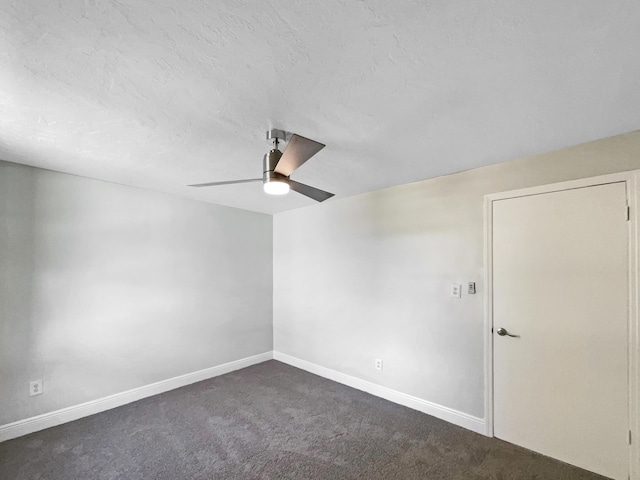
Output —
(269, 421)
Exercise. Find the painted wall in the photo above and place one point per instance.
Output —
(104, 288)
(368, 277)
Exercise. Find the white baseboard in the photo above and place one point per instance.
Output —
(58, 417)
(450, 415)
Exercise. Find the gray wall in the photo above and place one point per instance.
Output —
(104, 288)
(368, 277)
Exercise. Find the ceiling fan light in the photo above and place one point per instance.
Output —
(276, 187)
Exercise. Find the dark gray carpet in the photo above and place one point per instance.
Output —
(269, 421)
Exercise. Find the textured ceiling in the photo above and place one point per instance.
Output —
(160, 94)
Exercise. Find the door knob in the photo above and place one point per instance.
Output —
(503, 331)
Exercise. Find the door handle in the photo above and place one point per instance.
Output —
(503, 331)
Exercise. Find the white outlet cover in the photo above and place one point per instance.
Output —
(456, 291)
(378, 364)
(35, 388)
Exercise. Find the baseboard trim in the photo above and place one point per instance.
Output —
(64, 415)
(450, 415)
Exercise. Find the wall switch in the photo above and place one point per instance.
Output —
(472, 288)
(456, 291)
(378, 364)
(35, 388)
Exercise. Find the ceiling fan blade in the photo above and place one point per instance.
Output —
(230, 182)
(311, 192)
(299, 150)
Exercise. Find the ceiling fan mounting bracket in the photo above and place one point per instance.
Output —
(274, 136)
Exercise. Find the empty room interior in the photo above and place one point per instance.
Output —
(319, 240)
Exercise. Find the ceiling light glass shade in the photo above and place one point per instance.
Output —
(275, 187)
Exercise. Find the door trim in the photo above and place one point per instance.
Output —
(631, 179)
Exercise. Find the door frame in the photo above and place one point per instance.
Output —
(631, 179)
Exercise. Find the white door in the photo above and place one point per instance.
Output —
(560, 283)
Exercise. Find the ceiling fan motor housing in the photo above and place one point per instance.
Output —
(269, 163)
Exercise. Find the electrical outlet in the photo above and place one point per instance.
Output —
(35, 388)
(456, 291)
(378, 364)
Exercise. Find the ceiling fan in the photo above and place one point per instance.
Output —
(278, 166)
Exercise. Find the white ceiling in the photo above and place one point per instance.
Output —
(159, 94)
